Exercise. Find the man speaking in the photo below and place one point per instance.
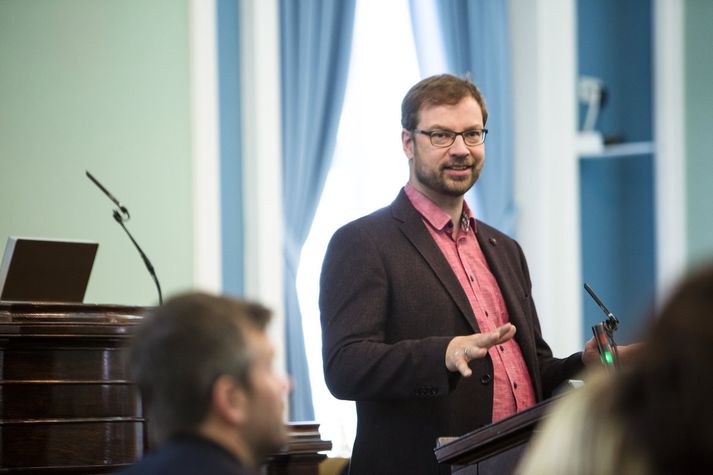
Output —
(428, 322)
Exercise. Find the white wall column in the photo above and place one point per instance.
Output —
(205, 146)
(669, 124)
(262, 175)
(543, 35)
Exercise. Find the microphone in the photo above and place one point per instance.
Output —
(604, 334)
(611, 319)
(121, 215)
(123, 209)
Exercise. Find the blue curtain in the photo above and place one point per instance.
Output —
(315, 45)
(231, 172)
(476, 41)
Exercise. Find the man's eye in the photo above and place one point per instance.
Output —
(473, 134)
(440, 134)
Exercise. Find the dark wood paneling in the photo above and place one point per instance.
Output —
(66, 402)
(69, 442)
(45, 399)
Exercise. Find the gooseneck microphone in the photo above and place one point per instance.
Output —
(121, 215)
(604, 334)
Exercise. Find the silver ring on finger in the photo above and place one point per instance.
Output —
(465, 352)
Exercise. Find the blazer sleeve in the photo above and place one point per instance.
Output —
(359, 363)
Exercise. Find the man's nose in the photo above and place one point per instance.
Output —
(458, 147)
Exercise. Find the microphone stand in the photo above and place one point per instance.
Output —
(604, 334)
(117, 214)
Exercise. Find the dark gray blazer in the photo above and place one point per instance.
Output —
(390, 304)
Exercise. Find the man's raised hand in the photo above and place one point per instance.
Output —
(463, 349)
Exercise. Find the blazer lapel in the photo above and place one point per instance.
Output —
(411, 225)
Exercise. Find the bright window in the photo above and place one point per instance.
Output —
(368, 170)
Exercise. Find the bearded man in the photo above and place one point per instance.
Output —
(428, 321)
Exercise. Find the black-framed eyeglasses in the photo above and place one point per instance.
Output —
(445, 138)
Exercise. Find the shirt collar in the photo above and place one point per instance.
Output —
(430, 211)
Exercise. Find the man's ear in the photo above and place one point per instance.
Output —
(229, 400)
(407, 143)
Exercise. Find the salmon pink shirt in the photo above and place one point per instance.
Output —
(512, 386)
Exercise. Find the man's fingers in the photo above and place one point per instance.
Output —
(464, 349)
(474, 352)
(499, 335)
(463, 368)
(506, 332)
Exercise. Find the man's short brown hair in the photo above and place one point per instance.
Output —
(444, 89)
(179, 351)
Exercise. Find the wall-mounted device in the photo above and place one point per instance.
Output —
(593, 94)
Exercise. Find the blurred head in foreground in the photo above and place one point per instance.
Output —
(203, 364)
(656, 416)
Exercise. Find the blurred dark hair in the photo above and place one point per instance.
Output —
(665, 399)
(444, 89)
(181, 348)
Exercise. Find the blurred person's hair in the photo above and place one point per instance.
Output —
(655, 416)
(582, 436)
(664, 402)
(179, 351)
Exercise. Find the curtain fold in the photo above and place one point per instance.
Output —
(315, 47)
(476, 41)
(231, 170)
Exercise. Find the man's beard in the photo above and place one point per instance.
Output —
(440, 183)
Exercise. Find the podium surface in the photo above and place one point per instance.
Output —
(494, 449)
(67, 404)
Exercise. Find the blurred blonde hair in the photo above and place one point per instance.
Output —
(583, 436)
(653, 417)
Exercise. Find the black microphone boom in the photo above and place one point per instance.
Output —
(117, 214)
(604, 334)
(121, 207)
(612, 321)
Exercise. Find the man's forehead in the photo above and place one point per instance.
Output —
(466, 109)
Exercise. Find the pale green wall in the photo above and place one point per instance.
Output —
(699, 128)
(101, 85)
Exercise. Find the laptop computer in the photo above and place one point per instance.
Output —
(46, 270)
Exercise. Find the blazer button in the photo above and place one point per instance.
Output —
(485, 379)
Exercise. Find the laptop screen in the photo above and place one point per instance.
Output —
(46, 270)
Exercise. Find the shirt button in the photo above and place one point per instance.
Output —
(514, 385)
(472, 279)
(501, 348)
(487, 314)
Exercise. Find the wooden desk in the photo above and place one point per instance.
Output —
(301, 454)
(67, 404)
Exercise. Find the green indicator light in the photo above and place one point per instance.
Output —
(608, 357)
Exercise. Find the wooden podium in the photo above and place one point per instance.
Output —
(67, 404)
(494, 449)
